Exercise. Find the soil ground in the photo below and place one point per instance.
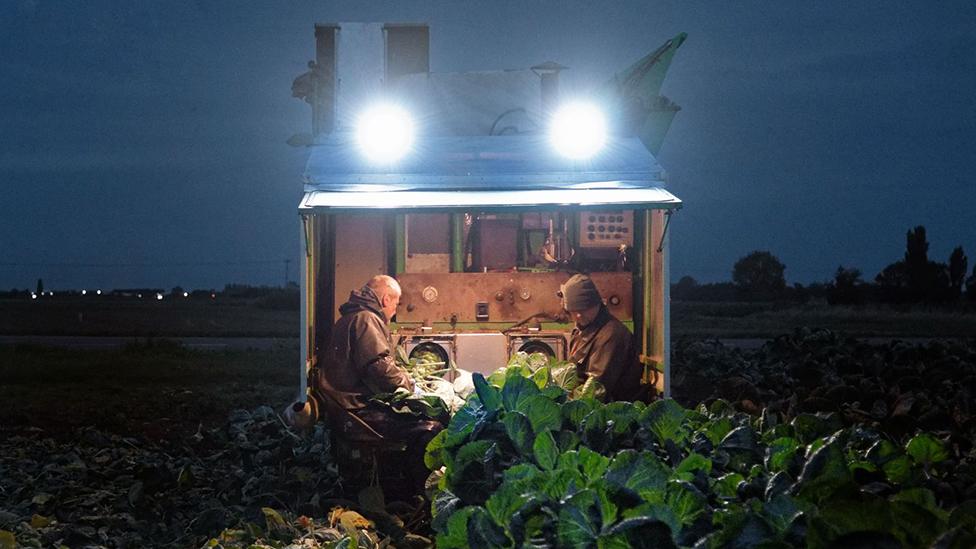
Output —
(161, 390)
(237, 317)
(158, 391)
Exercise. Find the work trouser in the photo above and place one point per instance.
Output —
(409, 430)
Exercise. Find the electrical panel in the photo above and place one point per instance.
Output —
(606, 229)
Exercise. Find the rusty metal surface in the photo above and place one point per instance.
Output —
(437, 297)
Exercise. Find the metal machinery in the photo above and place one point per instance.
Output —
(482, 220)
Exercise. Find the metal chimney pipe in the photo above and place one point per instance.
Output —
(548, 73)
(324, 102)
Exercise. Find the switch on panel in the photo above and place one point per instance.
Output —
(481, 311)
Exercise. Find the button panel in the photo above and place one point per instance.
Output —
(606, 229)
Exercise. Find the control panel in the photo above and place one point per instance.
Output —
(500, 297)
(606, 229)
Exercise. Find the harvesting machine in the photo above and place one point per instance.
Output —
(481, 192)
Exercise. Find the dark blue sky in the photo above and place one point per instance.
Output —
(143, 143)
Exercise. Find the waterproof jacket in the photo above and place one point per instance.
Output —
(359, 360)
(604, 350)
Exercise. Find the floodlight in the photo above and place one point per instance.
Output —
(84, 292)
(578, 130)
(384, 133)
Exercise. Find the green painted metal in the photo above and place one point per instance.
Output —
(647, 269)
(656, 126)
(445, 327)
(457, 243)
(400, 243)
(635, 93)
(646, 75)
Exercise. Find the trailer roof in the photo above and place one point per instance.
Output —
(646, 198)
(480, 163)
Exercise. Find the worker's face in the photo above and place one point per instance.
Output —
(390, 302)
(584, 317)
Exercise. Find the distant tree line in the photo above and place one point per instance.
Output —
(760, 276)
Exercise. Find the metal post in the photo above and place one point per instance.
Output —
(400, 243)
(647, 270)
(304, 309)
(457, 243)
(667, 311)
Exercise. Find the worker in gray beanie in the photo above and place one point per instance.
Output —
(600, 345)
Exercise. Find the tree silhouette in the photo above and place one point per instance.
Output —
(916, 262)
(971, 286)
(847, 287)
(915, 278)
(958, 262)
(759, 274)
(684, 288)
(893, 283)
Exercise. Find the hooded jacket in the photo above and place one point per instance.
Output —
(604, 350)
(359, 361)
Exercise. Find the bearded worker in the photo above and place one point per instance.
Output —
(601, 346)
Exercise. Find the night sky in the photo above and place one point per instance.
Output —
(142, 144)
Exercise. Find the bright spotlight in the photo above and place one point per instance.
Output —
(159, 297)
(186, 294)
(98, 292)
(384, 133)
(578, 130)
(84, 292)
(33, 295)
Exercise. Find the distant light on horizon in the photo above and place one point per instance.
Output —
(99, 292)
(186, 294)
(159, 297)
(33, 295)
(84, 292)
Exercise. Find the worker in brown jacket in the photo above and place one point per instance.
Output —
(601, 346)
(359, 363)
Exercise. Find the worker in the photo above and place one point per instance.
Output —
(359, 363)
(601, 346)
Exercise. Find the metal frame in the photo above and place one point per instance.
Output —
(410, 204)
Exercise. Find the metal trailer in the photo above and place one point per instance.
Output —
(482, 221)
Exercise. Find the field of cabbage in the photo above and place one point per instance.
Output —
(813, 440)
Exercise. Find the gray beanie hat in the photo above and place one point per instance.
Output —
(580, 293)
